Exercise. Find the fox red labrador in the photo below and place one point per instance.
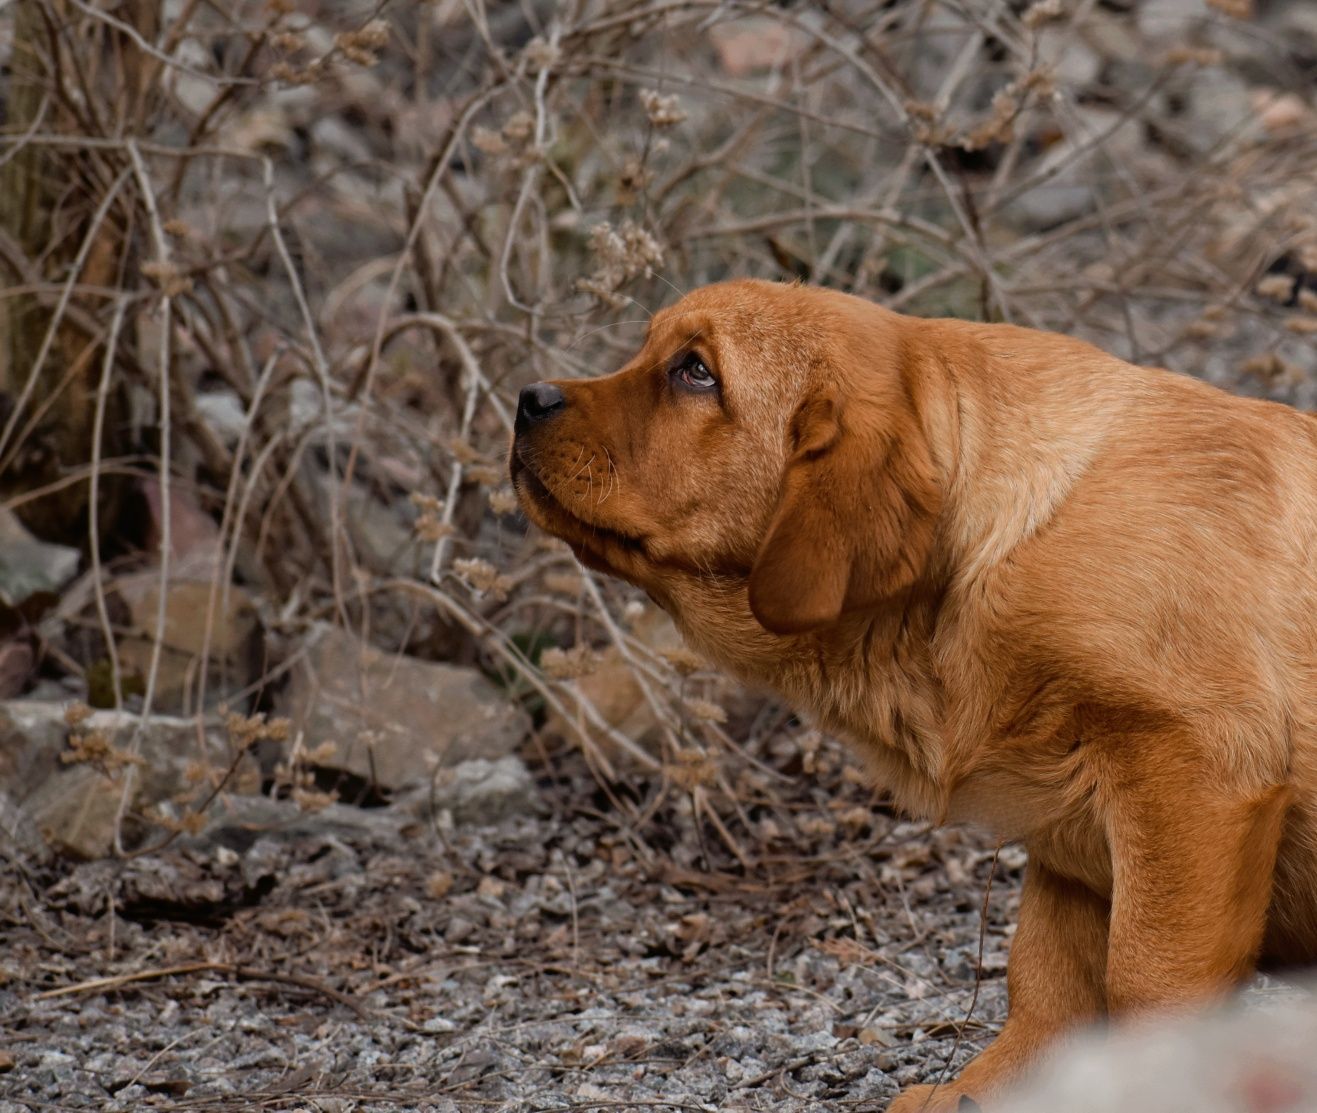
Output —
(1038, 588)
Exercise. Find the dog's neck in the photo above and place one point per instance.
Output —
(868, 679)
(1026, 427)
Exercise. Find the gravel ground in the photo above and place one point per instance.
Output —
(604, 953)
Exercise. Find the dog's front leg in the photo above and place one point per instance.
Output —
(1055, 978)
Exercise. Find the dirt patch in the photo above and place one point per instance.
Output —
(367, 958)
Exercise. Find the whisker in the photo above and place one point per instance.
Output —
(604, 328)
(638, 304)
(609, 475)
(669, 284)
(583, 467)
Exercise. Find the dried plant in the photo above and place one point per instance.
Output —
(292, 268)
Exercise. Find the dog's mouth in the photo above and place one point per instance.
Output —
(604, 548)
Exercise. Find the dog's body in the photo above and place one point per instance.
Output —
(1039, 588)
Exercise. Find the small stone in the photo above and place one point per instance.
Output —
(29, 566)
(875, 1036)
(479, 792)
(438, 885)
(172, 1085)
(459, 928)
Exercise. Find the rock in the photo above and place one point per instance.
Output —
(383, 533)
(391, 719)
(223, 413)
(945, 32)
(1075, 64)
(195, 548)
(1281, 112)
(231, 648)
(237, 822)
(261, 130)
(1276, 37)
(476, 792)
(32, 734)
(756, 43)
(1218, 106)
(331, 135)
(1115, 39)
(1248, 1056)
(1158, 20)
(16, 660)
(615, 693)
(29, 566)
(18, 829)
(73, 804)
(64, 690)
(1294, 20)
(75, 812)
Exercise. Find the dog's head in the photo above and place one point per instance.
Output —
(765, 435)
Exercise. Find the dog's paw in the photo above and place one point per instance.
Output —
(948, 1098)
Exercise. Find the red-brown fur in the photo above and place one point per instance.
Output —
(1037, 587)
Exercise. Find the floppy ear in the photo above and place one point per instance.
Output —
(854, 523)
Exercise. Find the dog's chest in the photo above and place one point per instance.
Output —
(891, 709)
(1055, 821)
(870, 686)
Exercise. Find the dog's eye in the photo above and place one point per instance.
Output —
(694, 374)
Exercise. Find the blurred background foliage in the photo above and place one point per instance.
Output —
(274, 272)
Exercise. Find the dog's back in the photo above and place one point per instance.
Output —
(1167, 590)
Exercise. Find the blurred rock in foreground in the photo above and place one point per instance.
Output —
(1251, 1057)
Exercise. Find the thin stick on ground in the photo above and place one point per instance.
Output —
(978, 979)
(118, 981)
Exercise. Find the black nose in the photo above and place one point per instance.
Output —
(537, 402)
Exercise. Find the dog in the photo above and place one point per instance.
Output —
(1038, 588)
